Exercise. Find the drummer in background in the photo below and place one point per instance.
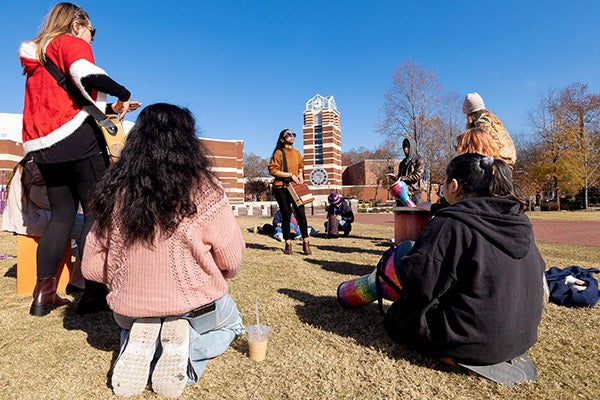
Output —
(342, 211)
(411, 171)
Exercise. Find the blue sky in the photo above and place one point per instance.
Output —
(246, 68)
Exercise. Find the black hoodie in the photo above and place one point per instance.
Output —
(472, 285)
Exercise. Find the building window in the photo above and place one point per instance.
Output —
(318, 144)
(318, 119)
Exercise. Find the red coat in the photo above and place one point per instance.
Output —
(49, 113)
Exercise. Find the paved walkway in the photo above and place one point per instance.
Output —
(573, 232)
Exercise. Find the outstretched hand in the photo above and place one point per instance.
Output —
(123, 107)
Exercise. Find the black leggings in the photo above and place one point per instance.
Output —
(285, 202)
(69, 184)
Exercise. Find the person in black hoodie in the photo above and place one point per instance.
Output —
(472, 283)
(410, 171)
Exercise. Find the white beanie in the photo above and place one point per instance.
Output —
(473, 102)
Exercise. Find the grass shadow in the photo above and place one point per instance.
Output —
(241, 346)
(371, 238)
(101, 329)
(342, 238)
(342, 249)
(259, 246)
(364, 325)
(343, 268)
(11, 272)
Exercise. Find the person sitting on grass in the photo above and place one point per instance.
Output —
(472, 284)
(342, 211)
(165, 241)
(294, 228)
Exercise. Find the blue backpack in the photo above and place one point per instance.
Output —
(573, 286)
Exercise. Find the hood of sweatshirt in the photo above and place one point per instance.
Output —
(497, 220)
(27, 54)
(413, 147)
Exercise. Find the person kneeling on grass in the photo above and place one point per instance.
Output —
(165, 241)
(472, 283)
(341, 209)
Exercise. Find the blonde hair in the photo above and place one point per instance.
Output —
(60, 20)
(477, 140)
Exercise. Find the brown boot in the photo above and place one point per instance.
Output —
(306, 248)
(288, 248)
(45, 298)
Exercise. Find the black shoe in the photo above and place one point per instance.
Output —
(93, 299)
(74, 290)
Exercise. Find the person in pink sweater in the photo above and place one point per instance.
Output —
(165, 241)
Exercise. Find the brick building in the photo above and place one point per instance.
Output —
(360, 179)
(227, 157)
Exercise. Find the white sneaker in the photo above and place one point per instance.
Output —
(279, 237)
(130, 373)
(170, 373)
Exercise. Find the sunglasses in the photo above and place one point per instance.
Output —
(79, 13)
(290, 134)
(92, 31)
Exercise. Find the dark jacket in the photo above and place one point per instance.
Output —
(411, 170)
(472, 285)
(344, 209)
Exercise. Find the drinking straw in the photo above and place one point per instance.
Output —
(257, 321)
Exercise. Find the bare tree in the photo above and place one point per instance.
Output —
(417, 107)
(438, 144)
(411, 102)
(354, 156)
(256, 174)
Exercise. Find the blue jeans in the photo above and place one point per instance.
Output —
(210, 334)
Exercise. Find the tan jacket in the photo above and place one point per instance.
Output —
(492, 125)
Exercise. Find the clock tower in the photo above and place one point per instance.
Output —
(322, 146)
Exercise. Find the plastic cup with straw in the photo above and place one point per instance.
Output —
(258, 337)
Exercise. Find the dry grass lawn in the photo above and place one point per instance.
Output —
(317, 350)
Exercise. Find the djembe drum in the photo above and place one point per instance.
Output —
(333, 226)
(400, 192)
(384, 279)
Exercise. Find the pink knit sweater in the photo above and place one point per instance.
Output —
(180, 273)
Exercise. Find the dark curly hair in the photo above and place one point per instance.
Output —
(151, 188)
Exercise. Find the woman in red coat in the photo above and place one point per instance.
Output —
(65, 141)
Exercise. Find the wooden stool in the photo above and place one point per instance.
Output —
(27, 266)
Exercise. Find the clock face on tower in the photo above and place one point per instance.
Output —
(318, 176)
(317, 103)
